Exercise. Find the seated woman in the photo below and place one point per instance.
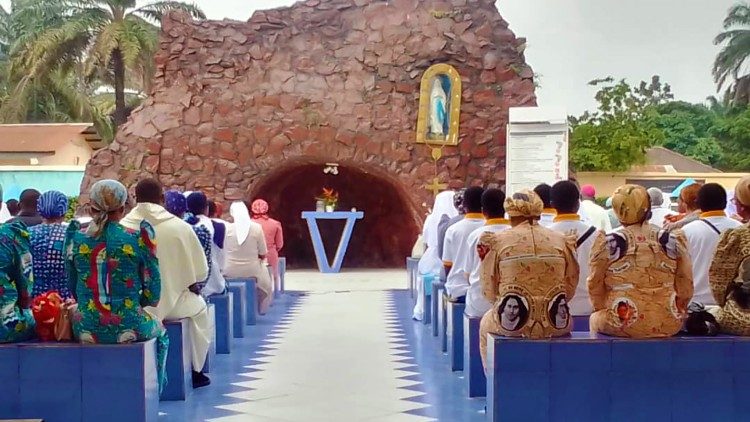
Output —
(245, 247)
(16, 321)
(176, 204)
(729, 276)
(274, 236)
(641, 279)
(113, 273)
(48, 245)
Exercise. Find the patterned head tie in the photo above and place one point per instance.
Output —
(631, 204)
(175, 203)
(525, 203)
(52, 204)
(742, 191)
(106, 196)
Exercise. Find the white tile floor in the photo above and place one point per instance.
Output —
(335, 360)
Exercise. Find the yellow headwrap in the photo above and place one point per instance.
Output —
(525, 203)
(631, 203)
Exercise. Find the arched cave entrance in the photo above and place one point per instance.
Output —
(381, 240)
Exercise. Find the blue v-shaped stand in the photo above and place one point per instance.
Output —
(312, 218)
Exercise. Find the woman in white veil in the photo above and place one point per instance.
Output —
(430, 262)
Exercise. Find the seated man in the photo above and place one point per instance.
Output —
(565, 199)
(641, 279)
(703, 235)
(529, 273)
(182, 265)
(730, 271)
(494, 211)
(16, 321)
(593, 213)
(28, 213)
(548, 213)
(455, 248)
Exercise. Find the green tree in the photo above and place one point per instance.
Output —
(100, 38)
(732, 131)
(687, 130)
(619, 133)
(729, 70)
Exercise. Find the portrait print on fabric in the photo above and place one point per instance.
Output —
(513, 312)
(626, 311)
(559, 312)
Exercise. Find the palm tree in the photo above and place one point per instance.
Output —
(101, 38)
(729, 68)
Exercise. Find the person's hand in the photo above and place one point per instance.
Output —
(194, 288)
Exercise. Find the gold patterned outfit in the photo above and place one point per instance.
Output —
(641, 278)
(530, 274)
(731, 269)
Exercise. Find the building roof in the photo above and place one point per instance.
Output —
(663, 160)
(45, 138)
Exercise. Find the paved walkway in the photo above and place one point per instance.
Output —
(336, 348)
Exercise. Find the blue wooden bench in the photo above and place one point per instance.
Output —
(211, 358)
(224, 327)
(73, 382)
(427, 281)
(179, 366)
(455, 333)
(442, 321)
(282, 272)
(476, 382)
(251, 298)
(594, 378)
(412, 274)
(438, 287)
(239, 307)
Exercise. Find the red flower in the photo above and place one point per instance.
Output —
(129, 283)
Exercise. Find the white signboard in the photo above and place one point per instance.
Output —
(537, 148)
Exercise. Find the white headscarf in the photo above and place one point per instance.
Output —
(430, 261)
(242, 220)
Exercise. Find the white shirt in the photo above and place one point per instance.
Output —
(596, 215)
(455, 252)
(476, 304)
(547, 218)
(702, 241)
(581, 303)
(658, 214)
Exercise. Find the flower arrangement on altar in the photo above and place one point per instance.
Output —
(328, 199)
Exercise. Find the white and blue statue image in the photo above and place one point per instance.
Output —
(439, 122)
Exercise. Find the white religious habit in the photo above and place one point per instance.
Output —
(182, 263)
(245, 247)
(702, 237)
(595, 215)
(456, 251)
(586, 235)
(476, 304)
(658, 216)
(4, 213)
(430, 262)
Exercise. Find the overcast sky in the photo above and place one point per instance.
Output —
(571, 42)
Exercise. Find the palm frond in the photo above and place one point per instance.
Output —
(156, 11)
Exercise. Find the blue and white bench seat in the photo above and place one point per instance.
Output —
(72, 382)
(595, 378)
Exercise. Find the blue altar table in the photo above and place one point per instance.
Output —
(312, 218)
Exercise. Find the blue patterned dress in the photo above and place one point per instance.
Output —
(47, 249)
(204, 236)
(16, 279)
(114, 276)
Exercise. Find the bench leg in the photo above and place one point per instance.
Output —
(476, 382)
(456, 335)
